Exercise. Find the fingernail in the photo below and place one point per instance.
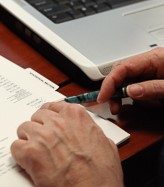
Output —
(135, 90)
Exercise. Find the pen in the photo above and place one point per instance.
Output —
(92, 96)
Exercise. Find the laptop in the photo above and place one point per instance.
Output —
(95, 35)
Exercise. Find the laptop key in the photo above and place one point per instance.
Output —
(76, 14)
(54, 8)
(102, 7)
(63, 17)
(89, 3)
(75, 5)
(87, 11)
(38, 3)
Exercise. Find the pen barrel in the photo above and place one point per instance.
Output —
(92, 96)
(83, 98)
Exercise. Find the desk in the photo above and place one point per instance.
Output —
(143, 125)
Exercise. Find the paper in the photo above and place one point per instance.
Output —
(21, 95)
(42, 78)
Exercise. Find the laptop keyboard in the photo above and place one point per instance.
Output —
(60, 11)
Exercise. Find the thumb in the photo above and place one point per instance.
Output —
(147, 90)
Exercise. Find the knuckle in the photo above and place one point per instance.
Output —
(77, 112)
(157, 53)
(157, 88)
(115, 65)
(31, 150)
(48, 135)
(22, 126)
(46, 105)
(14, 145)
(75, 108)
(54, 120)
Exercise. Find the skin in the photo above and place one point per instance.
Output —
(62, 146)
(146, 71)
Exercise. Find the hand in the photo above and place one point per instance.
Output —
(63, 147)
(146, 69)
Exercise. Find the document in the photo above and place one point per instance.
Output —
(21, 94)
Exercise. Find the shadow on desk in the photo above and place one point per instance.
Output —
(142, 169)
(143, 116)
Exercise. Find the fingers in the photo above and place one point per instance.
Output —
(55, 106)
(16, 151)
(44, 114)
(28, 130)
(66, 110)
(145, 66)
(25, 129)
(147, 90)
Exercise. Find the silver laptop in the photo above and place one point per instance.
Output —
(100, 33)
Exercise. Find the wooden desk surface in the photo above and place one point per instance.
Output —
(143, 126)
